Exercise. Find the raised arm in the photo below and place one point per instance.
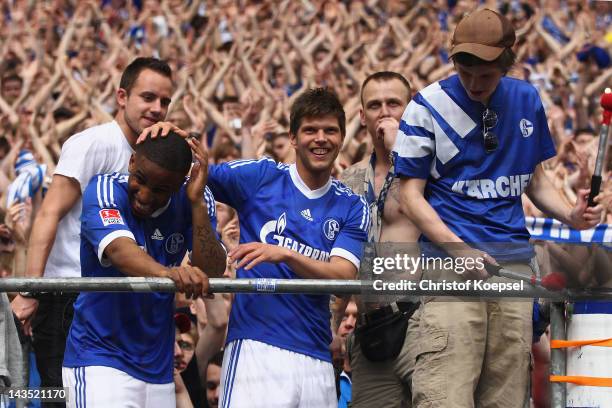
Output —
(208, 254)
(546, 197)
(213, 317)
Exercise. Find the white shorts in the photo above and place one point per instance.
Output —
(98, 386)
(255, 375)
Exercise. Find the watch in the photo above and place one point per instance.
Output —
(30, 295)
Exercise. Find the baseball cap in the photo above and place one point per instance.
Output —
(483, 33)
(183, 322)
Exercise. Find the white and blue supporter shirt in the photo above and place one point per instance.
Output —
(476, 194)
(276, 207)
(132, 332)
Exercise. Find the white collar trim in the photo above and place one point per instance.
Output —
(159, 211)
(299, 183)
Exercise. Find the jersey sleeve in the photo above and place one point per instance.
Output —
(103, 220)
(546, 146)
(212, 208)
(82, 158)
(354, 233)
(415, 147)
(235, 182)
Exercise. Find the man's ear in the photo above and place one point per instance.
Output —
(121, 96)
(293, 140)
(362, 117)
(132, 165)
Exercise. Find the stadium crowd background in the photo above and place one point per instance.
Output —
(239, 65)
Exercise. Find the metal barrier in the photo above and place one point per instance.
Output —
(317, 286)
(269, 286)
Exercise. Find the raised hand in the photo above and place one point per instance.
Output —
(199, 171)
(160, 129)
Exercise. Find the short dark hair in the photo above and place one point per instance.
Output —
(217, 359)
(62, 113)
(385, 76)
(582, 130)
(316, 102)
(12, 77)
(505, 61)
(132, 71)
(171, 152)
(227, 99)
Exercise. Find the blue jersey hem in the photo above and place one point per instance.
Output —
(323, 357)
(118, 366)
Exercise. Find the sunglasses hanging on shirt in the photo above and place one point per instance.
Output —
(489, 120)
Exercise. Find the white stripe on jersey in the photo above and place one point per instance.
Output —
(341, 188)
(365, 217)
(105, 191)
(210, 202)
(433, 171)
(283, 166)
(448, 109)
(112, 189)
(239, 163)
(99, 191)
(343, 253)
(445, 148)
(415, 146)
(419, 116)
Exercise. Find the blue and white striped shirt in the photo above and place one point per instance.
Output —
(476, 194)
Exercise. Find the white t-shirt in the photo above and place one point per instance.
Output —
(100, 149)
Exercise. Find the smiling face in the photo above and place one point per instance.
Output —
(479, 81)
(150, 186)
(11, 89)
(145, 104)
(317, 144)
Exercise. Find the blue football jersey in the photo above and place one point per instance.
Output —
(275, 206)
(477, 194)
(132, 332)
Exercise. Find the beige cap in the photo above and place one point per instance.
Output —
(483, 33)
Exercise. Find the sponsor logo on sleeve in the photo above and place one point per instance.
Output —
(111, 217)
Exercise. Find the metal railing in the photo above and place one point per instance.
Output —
(270, 286)
(318, 286)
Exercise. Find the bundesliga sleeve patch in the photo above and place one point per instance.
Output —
(111, 217)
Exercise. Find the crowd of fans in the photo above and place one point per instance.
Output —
(238, 66)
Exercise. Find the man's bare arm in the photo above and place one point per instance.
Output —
(253, 253)
(212, 334)
(63, 194)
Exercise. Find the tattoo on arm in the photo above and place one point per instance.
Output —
(207, 250)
